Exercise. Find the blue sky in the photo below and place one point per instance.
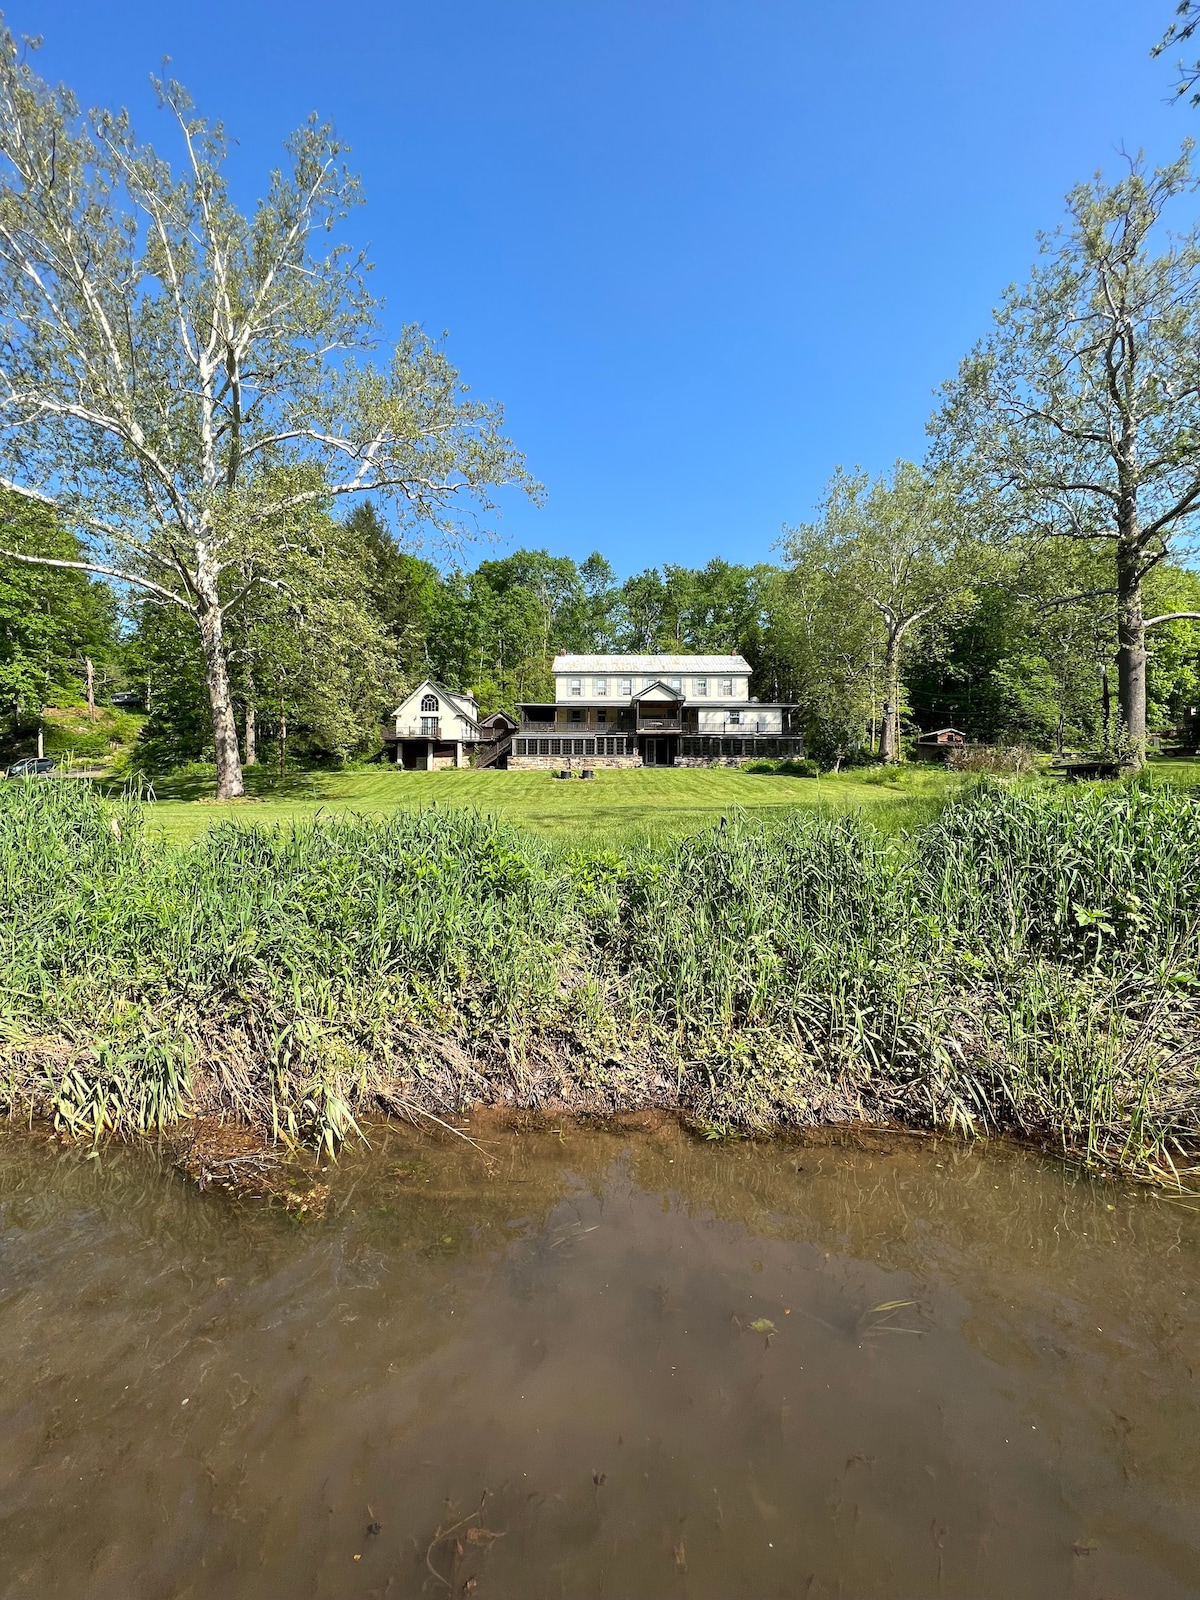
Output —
(703, 250)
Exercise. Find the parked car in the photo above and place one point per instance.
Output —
(31, 767)
(124, 699)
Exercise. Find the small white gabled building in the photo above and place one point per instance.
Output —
(653, 710)
(433, 727)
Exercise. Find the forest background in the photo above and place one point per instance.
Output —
(362, 620)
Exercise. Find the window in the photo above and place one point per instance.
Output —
(626, 686)
(429, 702)
(674, 683)
(576, 713)
(726, 688)
(576, 685)
(601, 685)
(735, 719)
(701, 685)
(602, 716)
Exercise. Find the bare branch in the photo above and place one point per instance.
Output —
(100, 571)
(1172, 616)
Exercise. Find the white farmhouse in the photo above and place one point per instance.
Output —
(660, 710)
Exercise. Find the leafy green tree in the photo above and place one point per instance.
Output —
(716, 608)
(900, 549)
(402, 589)
(1173, 675)
(162, 656)
(1078, 419)
(1030, 662)
(310, 658)
(180, 380)
(820, 651)
(51, 619)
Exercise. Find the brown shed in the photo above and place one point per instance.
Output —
(937, 744)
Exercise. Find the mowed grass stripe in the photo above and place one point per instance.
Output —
(652, 803)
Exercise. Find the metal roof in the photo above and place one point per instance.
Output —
(650, 664)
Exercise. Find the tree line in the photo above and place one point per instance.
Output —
(213, 481)
(874, 623)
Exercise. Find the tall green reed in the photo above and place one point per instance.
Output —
(1028, 960)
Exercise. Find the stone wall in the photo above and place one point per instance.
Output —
(575, 763)
(716, 761)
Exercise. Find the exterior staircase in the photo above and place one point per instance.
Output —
(491, 755)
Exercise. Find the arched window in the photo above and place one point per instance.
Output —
(429, 702)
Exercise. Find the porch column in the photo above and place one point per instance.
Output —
(458, 753)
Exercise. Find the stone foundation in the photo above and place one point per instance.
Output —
(575, 763)
(716, 761)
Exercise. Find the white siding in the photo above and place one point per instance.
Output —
(453, 723)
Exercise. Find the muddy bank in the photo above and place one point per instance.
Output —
(1028, 964)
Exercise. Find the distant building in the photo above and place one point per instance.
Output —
(433, 727)
(662, 711)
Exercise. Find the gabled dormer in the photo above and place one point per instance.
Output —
(659, 690)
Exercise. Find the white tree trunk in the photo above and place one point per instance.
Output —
(251, 735)
(889, 738)
(220, 701)
(1131, 655)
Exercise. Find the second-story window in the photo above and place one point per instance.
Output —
(600, 685)
(626, 686)
(576, 685)
(701, 685)
(726, 688)
(674, 683)
(429, 702)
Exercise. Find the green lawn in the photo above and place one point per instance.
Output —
(613, 807)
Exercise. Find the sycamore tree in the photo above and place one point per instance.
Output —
(1077, 421)
(897, 551)
(181, 381)
(821, 651)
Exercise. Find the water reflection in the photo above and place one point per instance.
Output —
(599, 1362)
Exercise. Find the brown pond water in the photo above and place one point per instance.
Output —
(545, 1379)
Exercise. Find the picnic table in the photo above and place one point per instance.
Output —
(1088, 767)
